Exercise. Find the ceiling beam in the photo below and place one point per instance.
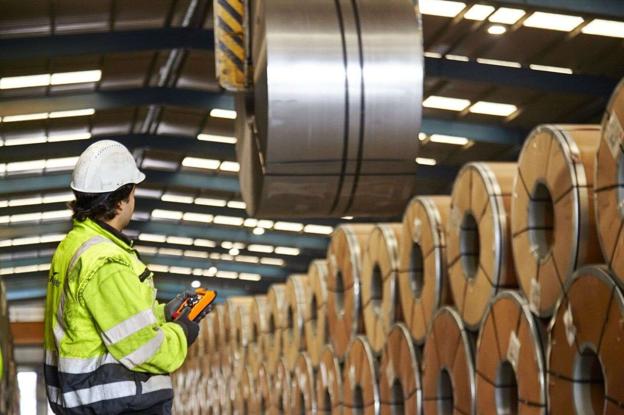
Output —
(106, 42)
(479, 132)
(605, 8)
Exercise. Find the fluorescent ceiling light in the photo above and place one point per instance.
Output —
(146, 250)
(284, 250)
(507, 15)
(198, 217)
(553, 21)
(221, 113)
(247, 258)
(249, 277)
(179, 240)
(441, 8)
(445, 103)
(556, 69)
(19, 166)
(72, 113)
(180, 270)
(601, 27)
(319, 229)
(61, 163)
(236, 204)
(25, 117)
(497, 29)
(54, 237)
(426, 161)
(231, 166)
(288, 226)
(196, 254)
(228, 220)
(68, 137)
(146, 193)
(266, 249)
(479, 12)
(58, 197)
(29, 240)
(166, 214)
(25, 201)
(158, 268)
(422, 136)
(26, 217)
(170, 252)
(434, 55)
(347, 217)
(227, 274)
(200, 163)
(206, 243)
(493, 108)
(273, 261)
(195, 284)
(498, 62)
(28, 81)
(457, 58)
(258, 231)
(176, 198)
(150, 237)
(217, 138)
(56, 214)
(210, 202)
(250, 222)
(45, 115)
(156, 164)
(22, 141)
(448, 139)
(210, 272)
(266, 224)
(234, 251)
(63, 78)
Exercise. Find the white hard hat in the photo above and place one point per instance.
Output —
(104, 167)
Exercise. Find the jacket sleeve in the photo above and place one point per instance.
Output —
(124, 311)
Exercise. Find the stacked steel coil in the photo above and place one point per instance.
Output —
(9, 399)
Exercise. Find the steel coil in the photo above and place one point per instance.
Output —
(380, 265)
(609, 184)
(510, 362)
(303, 399)
(297, 295)
(329, 384)
(281, 390)
(276, 317)
(422, 279)
(477, 236)
(552, 214)
(320, 135)
(316, 327)
(261, 402)
(344, 259)
(259, 327)
(360, 375)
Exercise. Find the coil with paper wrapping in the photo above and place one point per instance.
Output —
(235, 350)
(380, 265)
(276, 299)
(334, 144)
(585, 365)
(303, 399)
(293, 341)
(360, 374)
(259, 327)
(399, 376)
(422, 278)
(448, 377)
(218, 359)
(316, 327)
(552, 211)
(329, 384)
(281, 390)
(344, 259)
(245, 390)
(261, 402)
(510, 362)
(477, 235)
(609, 184)
(225, 402)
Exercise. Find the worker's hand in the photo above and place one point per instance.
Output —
(191, 328)
(174, 304)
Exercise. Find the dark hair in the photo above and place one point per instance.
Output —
(99, 206)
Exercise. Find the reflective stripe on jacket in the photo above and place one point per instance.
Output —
(108, 348)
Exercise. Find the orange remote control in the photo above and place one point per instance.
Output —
(197, 303)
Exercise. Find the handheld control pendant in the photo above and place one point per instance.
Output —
(197, 303)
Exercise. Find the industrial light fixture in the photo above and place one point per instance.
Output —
(170, 252)
(198, 217)
(176, 198)
(265, 223)
(288, 226)
(63, 78)
(200, 163)
(248, 259)
(497, 29)
(493, 108)
(553, 21)
(179, 240)
(273, 261)
(227, 275)
(441, 8)
(210, 202)
(166, 214)
(150, 237)
(228, 220)
(347, 217)
(72, 113)
(448, 139)
(258, 231)
(459, 58)
(499, 62)
(434, 55)
(556, 69)
(284, 250)
(25, 117)
(59, 78)
(479, 12)
(319, 229)
(180, 270)
(217, 138)
(146, 250)
(158, 268)
(445, 103)
(204, 243)
(250, 223)
(64, 163)
(234, 251)
(46, 115)
(195, 284)
(601, 27)
(236, 204)
(221, 113)
(249, 277)
(506, 15)
(265, 249)
(426, 161)
(230, 166)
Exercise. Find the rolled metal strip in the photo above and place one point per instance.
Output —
(344, 259)
(609, 184)
(316, 327)
(303, 399)
(448, 376)
(233, 352)
(245, 390)
(380, 265)
(220, 363)
(585, 364)
(552, 214)
(400, 388)
(329, 384)
(360, 387)
(281, 390)
(224, 390)
(276, 317)
(510, 359)
(422, 280)
(297, 295)
(334, 144)
(242, 335)
(259, 327)
(477, 234)
(262, 399)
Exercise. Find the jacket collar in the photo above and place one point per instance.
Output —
(107, 231)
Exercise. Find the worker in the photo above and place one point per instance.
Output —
(109, 346)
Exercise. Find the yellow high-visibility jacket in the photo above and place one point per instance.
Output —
(108, 347)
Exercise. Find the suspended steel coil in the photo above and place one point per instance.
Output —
(585, 364)
(609, 184)
(331, 127)
(477, 236)
(422, 281)
(552, 211)
(510, 362)
(380, 264)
